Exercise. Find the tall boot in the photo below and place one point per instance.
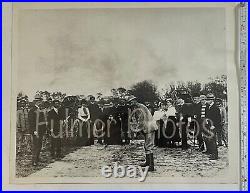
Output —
(151, 162)
(146, 163)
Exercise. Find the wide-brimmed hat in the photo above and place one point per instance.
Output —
(108, 103)
(169, 99)
(210, 96)
(38, 97)
(203, 97)
(131, 98)
(180, 102)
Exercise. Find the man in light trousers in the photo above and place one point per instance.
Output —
(141, 120)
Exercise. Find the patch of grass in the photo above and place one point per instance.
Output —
(24, 160)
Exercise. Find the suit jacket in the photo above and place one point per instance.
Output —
(95, 112)
(185, 111)
(223, 115)
(22, 119)
(54, 119)
(197, 111)
(123, 110)
(37, 120)
(213, 114)
(144, 119)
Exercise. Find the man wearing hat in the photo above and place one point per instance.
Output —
(184, 113)
(221, 132)
(123, 110)
(147, 126)
(95, 113)
(108, 117)
(55, 120)
(199, 107)
(21, 122)
(115, 129)
(37, 127)
(213, 120)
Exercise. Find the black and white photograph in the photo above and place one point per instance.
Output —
(112, 94)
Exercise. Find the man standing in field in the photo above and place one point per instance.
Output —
(142, 121)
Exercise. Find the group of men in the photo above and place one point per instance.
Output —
(113, 122)
(42, 117)
(211, 128)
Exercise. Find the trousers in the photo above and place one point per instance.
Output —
(149, 142)
(36, 147)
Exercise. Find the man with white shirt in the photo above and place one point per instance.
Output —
(158, 117)
(171, 131)
(184, 113)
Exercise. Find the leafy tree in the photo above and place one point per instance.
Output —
(194, 87)
(145, 91)
(114, 92)
(217, 86)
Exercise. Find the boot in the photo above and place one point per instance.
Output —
(213, 157)
(34, 162)
(146, 163)
(206, 152)
(151, 162)
(201, 148)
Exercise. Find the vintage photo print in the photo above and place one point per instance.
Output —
(123, 96)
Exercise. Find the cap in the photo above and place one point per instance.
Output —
(22, 100)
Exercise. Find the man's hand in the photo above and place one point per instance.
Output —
(36, 133)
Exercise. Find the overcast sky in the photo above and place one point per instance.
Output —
(87, 51)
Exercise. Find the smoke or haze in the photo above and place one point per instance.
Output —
(86, 51)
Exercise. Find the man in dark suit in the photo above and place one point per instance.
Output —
(37, 128)
(109, 121)
(123, 111)
(200, 107)
(95, 113)
(184, 113)
(116, 125)
(55, 120)
(213, 120)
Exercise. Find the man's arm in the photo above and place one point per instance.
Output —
(217, 117)
(32, 121)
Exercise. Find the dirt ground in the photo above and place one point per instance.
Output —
(24, 161)
(172, 162)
